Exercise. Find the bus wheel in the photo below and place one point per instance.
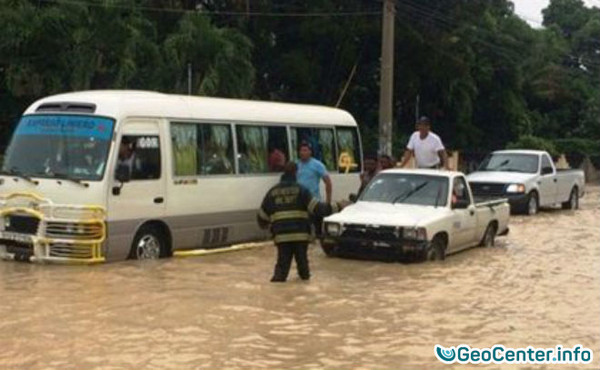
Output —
(148, 244)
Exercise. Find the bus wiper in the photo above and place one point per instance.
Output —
(15, 172)
(64, 176)
(403, 197)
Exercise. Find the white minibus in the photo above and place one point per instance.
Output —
(98, 176)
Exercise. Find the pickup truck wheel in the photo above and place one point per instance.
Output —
(489, 238)
(573, 202)
(533, 204)
(437, 250)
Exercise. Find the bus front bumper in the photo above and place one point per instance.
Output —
(32, 229)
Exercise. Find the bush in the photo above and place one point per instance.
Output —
(576, 149)
(534, 143)
(578, 145)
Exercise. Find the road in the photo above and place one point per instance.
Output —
(539, 286)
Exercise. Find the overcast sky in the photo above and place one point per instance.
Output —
(531, 10)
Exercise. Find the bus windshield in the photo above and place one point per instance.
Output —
(407, 189)
(60, 146)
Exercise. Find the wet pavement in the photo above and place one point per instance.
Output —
(539, 286)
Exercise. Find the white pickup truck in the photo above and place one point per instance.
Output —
(408, 214)
(529, 179)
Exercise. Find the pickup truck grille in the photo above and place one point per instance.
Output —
(383, 233)
(487, 189)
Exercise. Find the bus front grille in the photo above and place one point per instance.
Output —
(76, 251)
(73, 230)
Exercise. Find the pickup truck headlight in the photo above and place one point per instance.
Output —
(515, 188)
(333, 229)
(415, 233)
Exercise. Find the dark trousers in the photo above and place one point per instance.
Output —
(285, 253)
(318, 224)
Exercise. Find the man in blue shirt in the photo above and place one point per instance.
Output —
(309, 175)
(311, 171)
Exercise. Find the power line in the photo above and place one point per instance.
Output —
(218, 12)
(451, 24)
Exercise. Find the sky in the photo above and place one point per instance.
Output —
(531, 10)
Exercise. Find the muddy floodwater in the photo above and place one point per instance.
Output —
(539, 286)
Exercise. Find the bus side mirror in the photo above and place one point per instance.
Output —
(123, 174)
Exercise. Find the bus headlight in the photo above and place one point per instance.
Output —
(515, 188)
(418, 233)
(333, 229)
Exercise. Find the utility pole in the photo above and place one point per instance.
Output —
(386, 84)
(417, 108)
(189, 76)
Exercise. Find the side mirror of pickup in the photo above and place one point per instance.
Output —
(461, 204)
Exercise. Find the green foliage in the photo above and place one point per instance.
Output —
(484, 76)
(580, 146)
(534, 143)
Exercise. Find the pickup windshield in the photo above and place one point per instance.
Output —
(504, 162)
(60, 146)
(407, 189)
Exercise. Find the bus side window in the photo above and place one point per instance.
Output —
(140, 154)
(261, 149)
(215, 148)
(322, 141)
(202, 149)
(184, 139)
(349, 158)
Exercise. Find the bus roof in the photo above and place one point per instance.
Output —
(133, 103)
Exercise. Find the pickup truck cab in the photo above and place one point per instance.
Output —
(529, 179)
(423, 214)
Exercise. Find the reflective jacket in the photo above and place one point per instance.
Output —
(287, 207)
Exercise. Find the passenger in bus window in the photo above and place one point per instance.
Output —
(91, 156)
(276, 160)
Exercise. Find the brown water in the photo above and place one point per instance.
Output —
(539, 286)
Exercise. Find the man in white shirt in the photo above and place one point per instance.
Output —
(426, 147)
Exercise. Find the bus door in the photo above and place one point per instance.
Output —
(140, 160)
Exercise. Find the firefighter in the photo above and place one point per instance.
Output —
(287, 209)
